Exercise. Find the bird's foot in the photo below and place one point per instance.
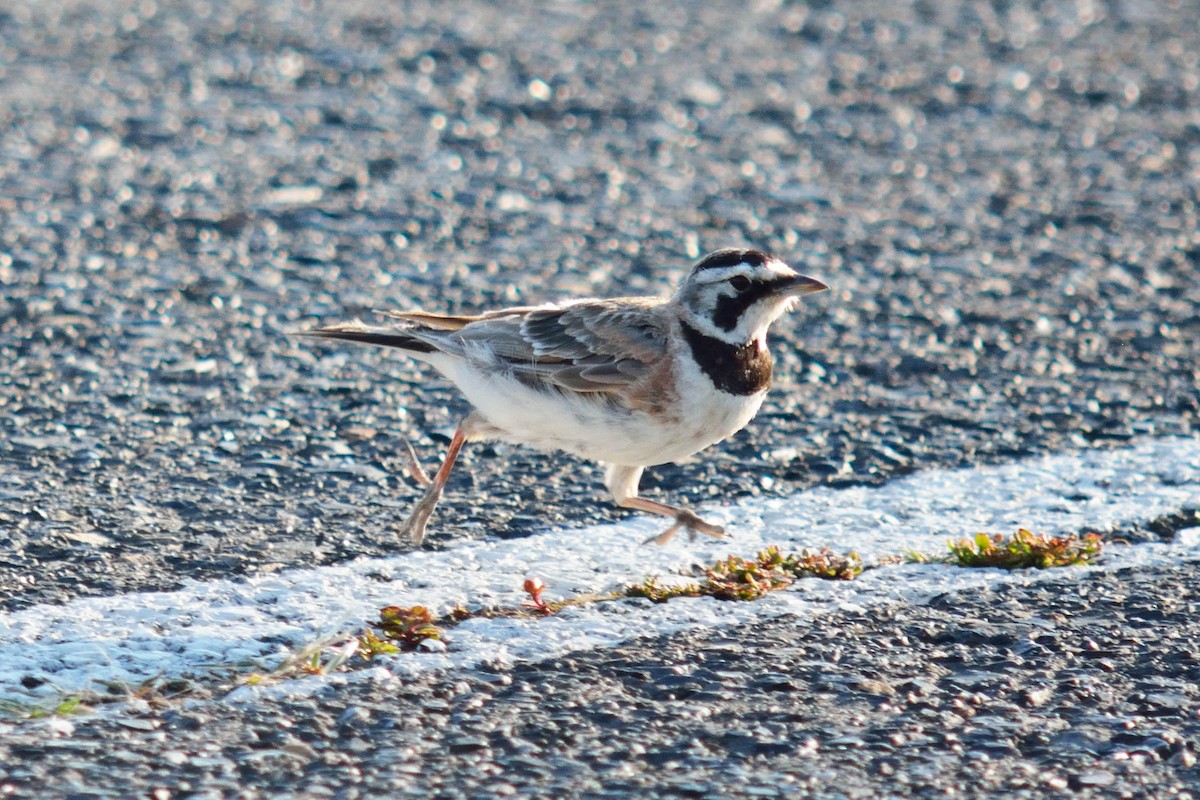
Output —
(414, 527)
(692, 524)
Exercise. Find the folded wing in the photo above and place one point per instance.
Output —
(588, 346)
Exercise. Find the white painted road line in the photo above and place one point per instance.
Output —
(89, 643)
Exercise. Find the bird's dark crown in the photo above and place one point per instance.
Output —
(731, 257)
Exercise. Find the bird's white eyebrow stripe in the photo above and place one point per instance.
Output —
(772, 268)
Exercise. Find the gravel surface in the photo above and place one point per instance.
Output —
(1086, 686)
(1004, 202)
(1003, 197)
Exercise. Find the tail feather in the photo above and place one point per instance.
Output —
(358, 332)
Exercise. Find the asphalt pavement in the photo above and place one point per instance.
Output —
(1002, 196)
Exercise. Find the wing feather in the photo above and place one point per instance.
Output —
(584, 346)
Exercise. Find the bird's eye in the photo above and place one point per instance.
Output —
(740, 283)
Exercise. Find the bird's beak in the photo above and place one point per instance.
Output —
(799, 285)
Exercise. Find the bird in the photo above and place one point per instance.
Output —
(628, 382)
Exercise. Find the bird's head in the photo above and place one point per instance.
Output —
(735, 295)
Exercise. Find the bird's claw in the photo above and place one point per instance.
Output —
(692, 524)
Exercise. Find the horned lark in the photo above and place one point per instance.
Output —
(629, 382)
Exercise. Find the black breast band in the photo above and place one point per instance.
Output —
(737, 369)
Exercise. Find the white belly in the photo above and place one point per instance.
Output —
(581, 425)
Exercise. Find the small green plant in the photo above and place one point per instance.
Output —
(1025, 549)
(154, 691)
(370, 646)
(654, 590)
(63, 707)
(747, 579)
(736, 578)
(824, 564)
(72, 705)
(408, 626)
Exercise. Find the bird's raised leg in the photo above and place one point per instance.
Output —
(622, 483)
(415, 469)
(414, 526)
